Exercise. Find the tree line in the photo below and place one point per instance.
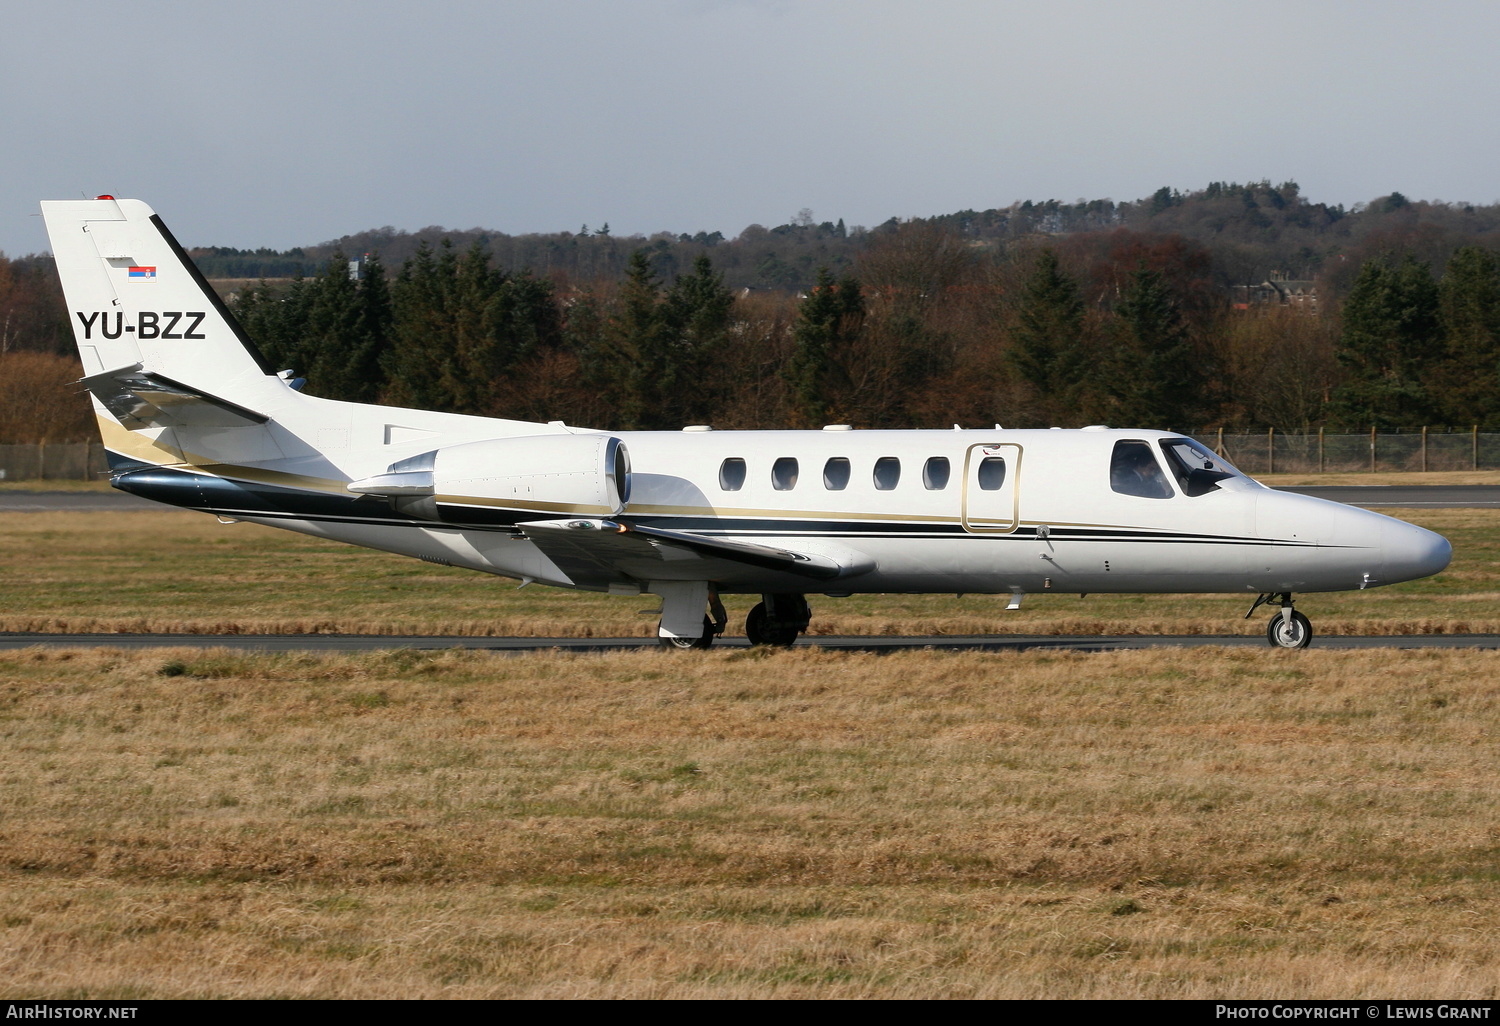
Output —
(923, 330)
(1038, 315)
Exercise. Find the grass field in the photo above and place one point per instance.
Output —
(1207, 823)
(1175, 823)
(180, 571)
(93, 485)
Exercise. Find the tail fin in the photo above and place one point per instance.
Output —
(134, 297)
(145, 319)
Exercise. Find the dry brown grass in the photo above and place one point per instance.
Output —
(57, 485)
(1210, 823)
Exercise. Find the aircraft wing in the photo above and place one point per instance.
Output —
(142, 399)
(595, 546)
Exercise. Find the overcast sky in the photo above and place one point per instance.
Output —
(283, 123)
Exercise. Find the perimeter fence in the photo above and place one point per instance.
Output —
(1271, 452)
(60, 461)
(1267, 452)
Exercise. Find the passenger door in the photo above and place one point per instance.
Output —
(991, 493)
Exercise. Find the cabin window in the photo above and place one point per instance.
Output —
(1134, 471)
(784, 474)
(935, 474)
(887, 473)
(836, 474)
(1197, 470)
(991, 473)
(732, 474)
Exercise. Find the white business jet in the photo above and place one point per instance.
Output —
(193, 415)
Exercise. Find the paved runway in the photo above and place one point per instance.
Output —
(882, 645)
(1409, 496)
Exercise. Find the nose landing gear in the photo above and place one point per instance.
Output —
(1288, 628)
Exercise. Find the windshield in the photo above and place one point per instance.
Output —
(1198, 471)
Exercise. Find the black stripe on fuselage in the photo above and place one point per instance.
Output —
(210, 493)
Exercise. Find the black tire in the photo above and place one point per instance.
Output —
(689, 643)
(760, 633)
(1297, 634)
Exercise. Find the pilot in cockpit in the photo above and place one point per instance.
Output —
(1134, 471)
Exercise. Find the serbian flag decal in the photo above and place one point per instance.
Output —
(143, 274)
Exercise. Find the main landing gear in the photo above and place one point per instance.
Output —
(776, 620)
(1288, 628)
(703, 640)
(682, 604)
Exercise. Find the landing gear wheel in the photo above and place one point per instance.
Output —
(1296, 634)
(760, 632)
(703, 641)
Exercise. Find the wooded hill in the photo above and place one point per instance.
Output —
(1249, 230)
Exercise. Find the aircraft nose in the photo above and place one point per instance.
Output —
(1411, 552)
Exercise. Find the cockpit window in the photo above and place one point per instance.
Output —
(1134, 471)
(1197, 470)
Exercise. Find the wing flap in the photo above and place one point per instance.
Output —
(624, 547)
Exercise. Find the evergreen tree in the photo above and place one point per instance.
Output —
(276, 319)
(331, 328)
(477, 354)
(829, 318)
(524, 318)
(1047, 345)
(360, 370)
(695, 315)
(1467, 382)
(1156, 379)
(635, 348)
(1391, 329)
(461, 328)
(421, 332)
(659, 345)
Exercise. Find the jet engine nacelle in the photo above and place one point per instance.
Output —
(563, 473)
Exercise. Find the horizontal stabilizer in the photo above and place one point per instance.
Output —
(141, 399)
(611, 544)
